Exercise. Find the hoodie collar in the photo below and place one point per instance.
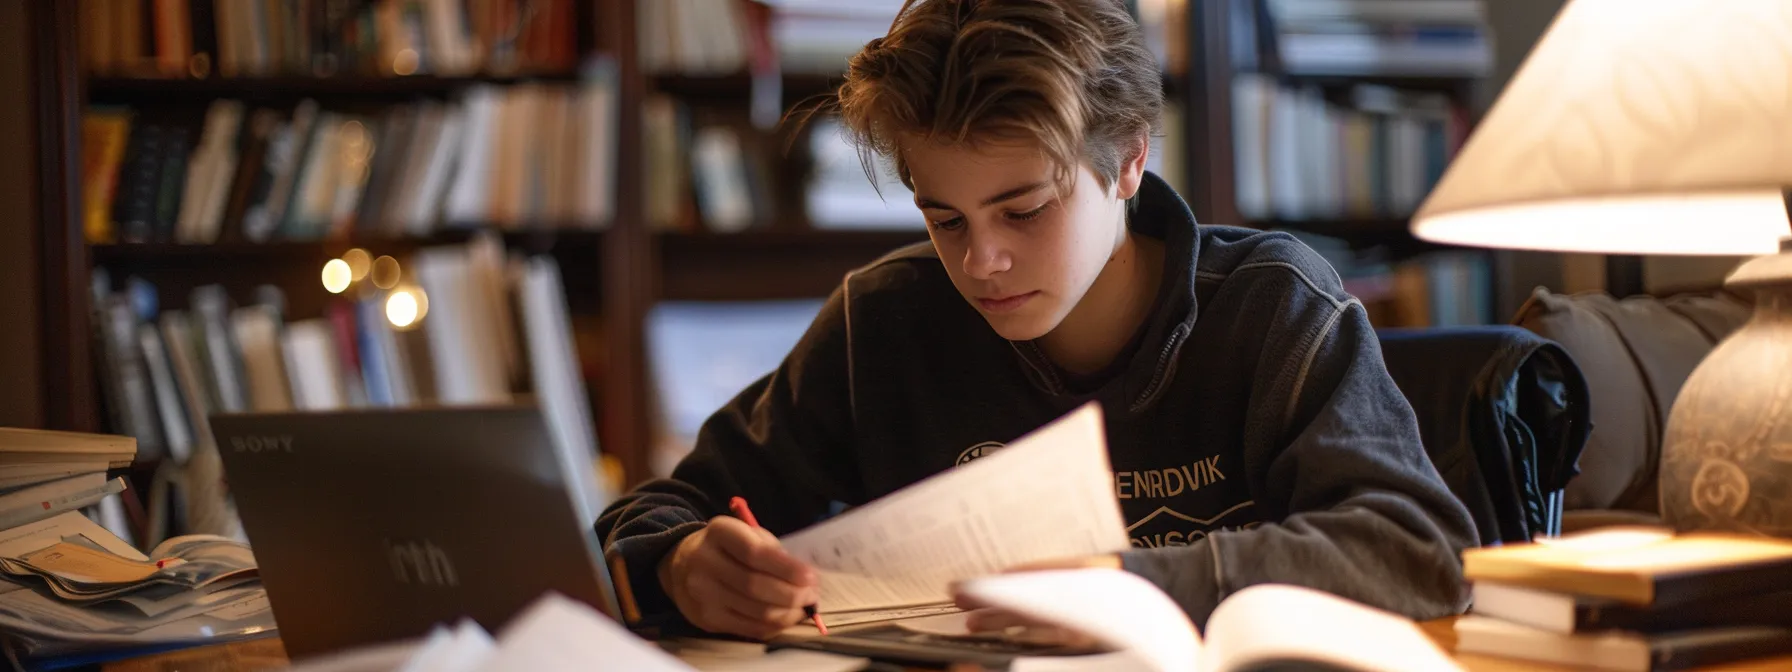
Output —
(1162, 214)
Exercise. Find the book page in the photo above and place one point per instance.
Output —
(80, 564)
(461, 650)
(1119, 609)
(1049, 495)
(1267, 624)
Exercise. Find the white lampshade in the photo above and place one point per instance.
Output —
(1634, 127)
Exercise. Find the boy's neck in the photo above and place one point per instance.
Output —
(1111, 312)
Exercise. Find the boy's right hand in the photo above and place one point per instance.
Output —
(734, 578)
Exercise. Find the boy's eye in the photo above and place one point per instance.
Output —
(1030, 214)
(952, 224)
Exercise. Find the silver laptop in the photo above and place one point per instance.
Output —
(373, 526)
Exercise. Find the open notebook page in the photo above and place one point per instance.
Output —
(1048, 495)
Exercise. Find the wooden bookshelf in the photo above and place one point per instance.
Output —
(246, 252)
(292, 87)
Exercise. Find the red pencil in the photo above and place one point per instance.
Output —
(739, 506)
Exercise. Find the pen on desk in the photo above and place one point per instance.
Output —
(739, 506)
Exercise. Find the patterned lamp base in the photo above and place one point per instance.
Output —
(1726, 462)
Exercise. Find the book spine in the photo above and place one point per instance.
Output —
(41, 509)
(1718, 646)
(1740, 580)
(1771, 609)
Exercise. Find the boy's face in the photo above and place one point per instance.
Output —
(1020, 252)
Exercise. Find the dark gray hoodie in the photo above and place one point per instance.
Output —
(1254, 432)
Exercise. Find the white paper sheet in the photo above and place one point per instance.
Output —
(462, 649)
(1048, 495)
(557, 634)
(1117, 608)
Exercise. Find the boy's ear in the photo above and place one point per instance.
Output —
(1132, 170)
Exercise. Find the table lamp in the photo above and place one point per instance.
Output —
(1660, 127)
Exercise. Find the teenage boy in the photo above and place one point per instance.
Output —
(1254, 432)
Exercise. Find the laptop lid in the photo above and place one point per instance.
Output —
(375, 525)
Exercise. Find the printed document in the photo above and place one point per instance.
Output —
(1047, 496)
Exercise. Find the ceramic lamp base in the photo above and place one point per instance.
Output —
(1726, 462)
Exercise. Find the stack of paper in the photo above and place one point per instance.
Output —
(67, 584)
(85, 575)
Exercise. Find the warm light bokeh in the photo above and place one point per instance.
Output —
(337, 276)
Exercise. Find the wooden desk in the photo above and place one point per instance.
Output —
(256, 654)
(267, 654)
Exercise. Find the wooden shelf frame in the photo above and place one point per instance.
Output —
(293, 87)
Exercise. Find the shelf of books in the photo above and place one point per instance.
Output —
(320, 206)
(1342, 117)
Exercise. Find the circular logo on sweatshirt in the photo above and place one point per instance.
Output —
(979, 450)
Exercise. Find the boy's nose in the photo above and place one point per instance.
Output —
(986, 255)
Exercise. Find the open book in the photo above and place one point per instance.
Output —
(1262, 627)
(1047, 496)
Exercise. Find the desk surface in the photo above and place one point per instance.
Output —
(267, 654)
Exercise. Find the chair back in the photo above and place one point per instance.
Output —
(1503, 413)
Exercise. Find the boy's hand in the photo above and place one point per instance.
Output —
(733, 578)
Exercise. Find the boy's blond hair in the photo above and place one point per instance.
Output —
(1072, 77)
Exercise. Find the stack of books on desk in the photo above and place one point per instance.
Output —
(45, 473)
(68, 585)
(1631, 598)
